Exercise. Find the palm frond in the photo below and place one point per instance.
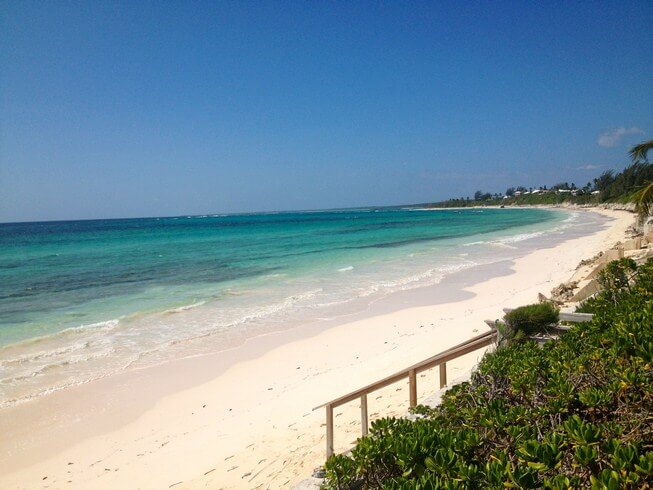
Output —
(644, 201)
(639, 153)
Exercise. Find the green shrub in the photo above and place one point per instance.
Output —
(576, 413)
(532, 319)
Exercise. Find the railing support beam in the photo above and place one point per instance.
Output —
(364, 421)
(443, 375)
(329, 431)
(412, 387)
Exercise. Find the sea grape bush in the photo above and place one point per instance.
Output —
(576, 413)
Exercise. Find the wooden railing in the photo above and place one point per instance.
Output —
(411, 372)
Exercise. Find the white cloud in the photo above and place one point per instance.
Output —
(589, 166)
(610, 139)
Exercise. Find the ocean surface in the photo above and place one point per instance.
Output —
(80, 300)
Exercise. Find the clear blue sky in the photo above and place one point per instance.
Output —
(116, 109)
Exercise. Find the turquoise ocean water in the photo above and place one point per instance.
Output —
(83, 299)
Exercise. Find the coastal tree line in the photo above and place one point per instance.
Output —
(633, 184)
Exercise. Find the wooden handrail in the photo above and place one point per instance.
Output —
(440, 359)
(443, 356)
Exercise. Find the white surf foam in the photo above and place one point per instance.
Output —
(184, 308)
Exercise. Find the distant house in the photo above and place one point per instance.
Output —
(506, 197)
(563, 191)
(518, 193)
(536, 191)
(596, 192)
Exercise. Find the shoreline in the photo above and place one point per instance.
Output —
(296, 282)
(111, 344)
(170, 420)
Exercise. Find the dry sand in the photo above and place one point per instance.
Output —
(243, 419)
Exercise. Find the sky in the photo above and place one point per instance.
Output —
(127, 109)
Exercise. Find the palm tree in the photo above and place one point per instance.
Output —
(644, 196)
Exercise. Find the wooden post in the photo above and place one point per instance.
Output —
(412, 382)
(364, 421)
(329, 430)
(443, 374)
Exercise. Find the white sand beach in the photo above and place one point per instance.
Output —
(243, 418)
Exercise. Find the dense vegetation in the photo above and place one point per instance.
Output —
(575, 413)
(624, 183)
